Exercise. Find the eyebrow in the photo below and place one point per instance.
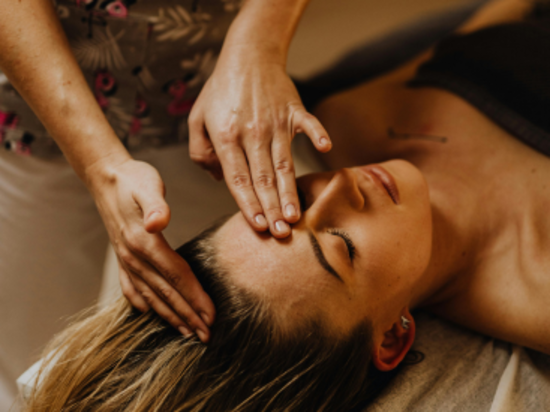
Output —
(321, 257)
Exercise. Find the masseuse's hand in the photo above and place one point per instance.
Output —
(241, 128)
(130, 198)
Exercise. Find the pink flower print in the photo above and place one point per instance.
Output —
(8, 120)
(141, 111)
(135, 126)
(21, 147)
(177, 88)
(117, 9)
(142, 108)
(105, 85)
(178, 106)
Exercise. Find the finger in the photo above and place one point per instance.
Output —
(146, 254)
(130, 292)
(308, 124)
(201, 150)
(150, 198)
(178, 274)
(265, 186)
(136, 266)
(286, 179)
(239, 182)
(161, 308)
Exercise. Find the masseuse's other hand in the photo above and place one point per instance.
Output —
(130, 198)
(241, 128)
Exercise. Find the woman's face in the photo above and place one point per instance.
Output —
(363, 241)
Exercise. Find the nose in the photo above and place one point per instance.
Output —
(340, 195)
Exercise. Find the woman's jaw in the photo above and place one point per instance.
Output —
(359, 251)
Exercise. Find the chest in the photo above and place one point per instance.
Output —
(506, 290)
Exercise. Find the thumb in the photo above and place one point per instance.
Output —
(305, 122)
(156, 213)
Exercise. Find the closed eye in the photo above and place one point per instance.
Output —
(347, 239)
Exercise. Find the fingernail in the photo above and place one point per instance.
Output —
(260, 220)
(203, 336)
(290, 210)
(205, 318)
(152, 214)
(323, 141)
(281, 226)
(185, 331)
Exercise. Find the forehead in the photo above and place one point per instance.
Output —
(285, 272)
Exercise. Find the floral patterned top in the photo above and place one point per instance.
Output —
(145, 61)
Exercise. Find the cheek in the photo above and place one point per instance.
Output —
(396, 250)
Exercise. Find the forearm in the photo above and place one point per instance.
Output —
(265, 27)
(36, 58)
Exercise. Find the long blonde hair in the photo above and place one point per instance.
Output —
(121, 360)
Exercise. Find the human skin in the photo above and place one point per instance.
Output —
(392, 244)
(248, 112)
(489, 198)
(36, 57)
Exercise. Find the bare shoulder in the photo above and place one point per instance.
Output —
(499, 302)
(505, 292)
(364, 122)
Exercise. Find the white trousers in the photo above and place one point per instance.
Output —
(53, 246)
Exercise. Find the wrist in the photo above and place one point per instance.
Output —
(244, 57)
(265, 28)
(104, 170)
(238, 45)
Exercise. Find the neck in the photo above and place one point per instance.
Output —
(491, 218)
(457, 239)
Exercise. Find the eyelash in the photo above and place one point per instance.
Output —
(335, 232)
(347, 239)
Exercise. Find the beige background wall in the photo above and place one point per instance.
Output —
(329, 27)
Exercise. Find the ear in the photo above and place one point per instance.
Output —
(397, 341)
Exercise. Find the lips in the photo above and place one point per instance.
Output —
(388, 182)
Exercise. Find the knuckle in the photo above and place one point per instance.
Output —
(258, 130)
(164, 293)
(264, 181)
(133, 239)
(284, 166)
(241, 181)
(128, 259)
(282, 123)
(228, 136)
(172, 278)
(308, 117)
(148, 297)
(191, 321)
(183, 317)
(124, 254)
(198, 158)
